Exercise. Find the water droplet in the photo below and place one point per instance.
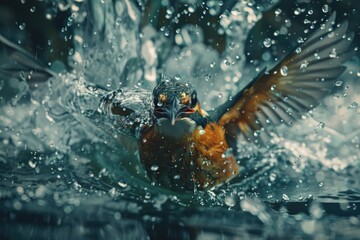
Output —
(63, 6)
(241, 195)
(40, 191)
(32, 164)
(191, 8)
(257, 133)
(353, 105)
(118, 21)
(317, 56)
(77, 186)
(17, 205)
(232, 46)
(227, 63)
(298, 50)
(154, 168)
(177, 177)
(20, 190)
(325, 8)
(214, 7)
(22, 26)
(267, 42)
(315, 210)
(202, 132)
(207, 77)
(112, 192)
(169, 12)
(338, 83)
(48, 16)
(278, 11)
(122, 184)
(117, 216)
(304, 64)
(71, 51)
(284, 71)
(273, 87)
(266, 56)
(272, 177)
(33, 9)
(230, 200)
(333, 53)
(285, 197)
(22, 75)
(321, 125)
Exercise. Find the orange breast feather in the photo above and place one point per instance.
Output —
(215, 163)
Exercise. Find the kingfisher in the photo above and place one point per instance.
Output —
(183, 147)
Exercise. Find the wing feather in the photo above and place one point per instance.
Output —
(22, 65)
(281, 96)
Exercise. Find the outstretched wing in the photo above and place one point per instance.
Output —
(127, 111)
(22, 65)
(291, 88)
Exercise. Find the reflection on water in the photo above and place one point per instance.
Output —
(64, 174)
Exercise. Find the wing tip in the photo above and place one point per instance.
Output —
(25, 62)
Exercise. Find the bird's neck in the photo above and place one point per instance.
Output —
(180, 130)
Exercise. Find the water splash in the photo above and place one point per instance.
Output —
(53, 133)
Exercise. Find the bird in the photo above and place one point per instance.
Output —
(183, 147)
(183, 137)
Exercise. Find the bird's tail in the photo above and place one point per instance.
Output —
(20, 64)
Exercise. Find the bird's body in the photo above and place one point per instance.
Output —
(181, 146)
(199, 157)
(184, 137)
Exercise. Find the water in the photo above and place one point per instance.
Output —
(69, 172)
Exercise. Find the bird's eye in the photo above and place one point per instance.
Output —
(162, 98)
(185, 98)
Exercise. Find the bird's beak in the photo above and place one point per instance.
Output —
(173, 111)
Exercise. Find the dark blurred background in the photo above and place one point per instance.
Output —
(36, 26)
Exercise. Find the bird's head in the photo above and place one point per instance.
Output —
(175, 101)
